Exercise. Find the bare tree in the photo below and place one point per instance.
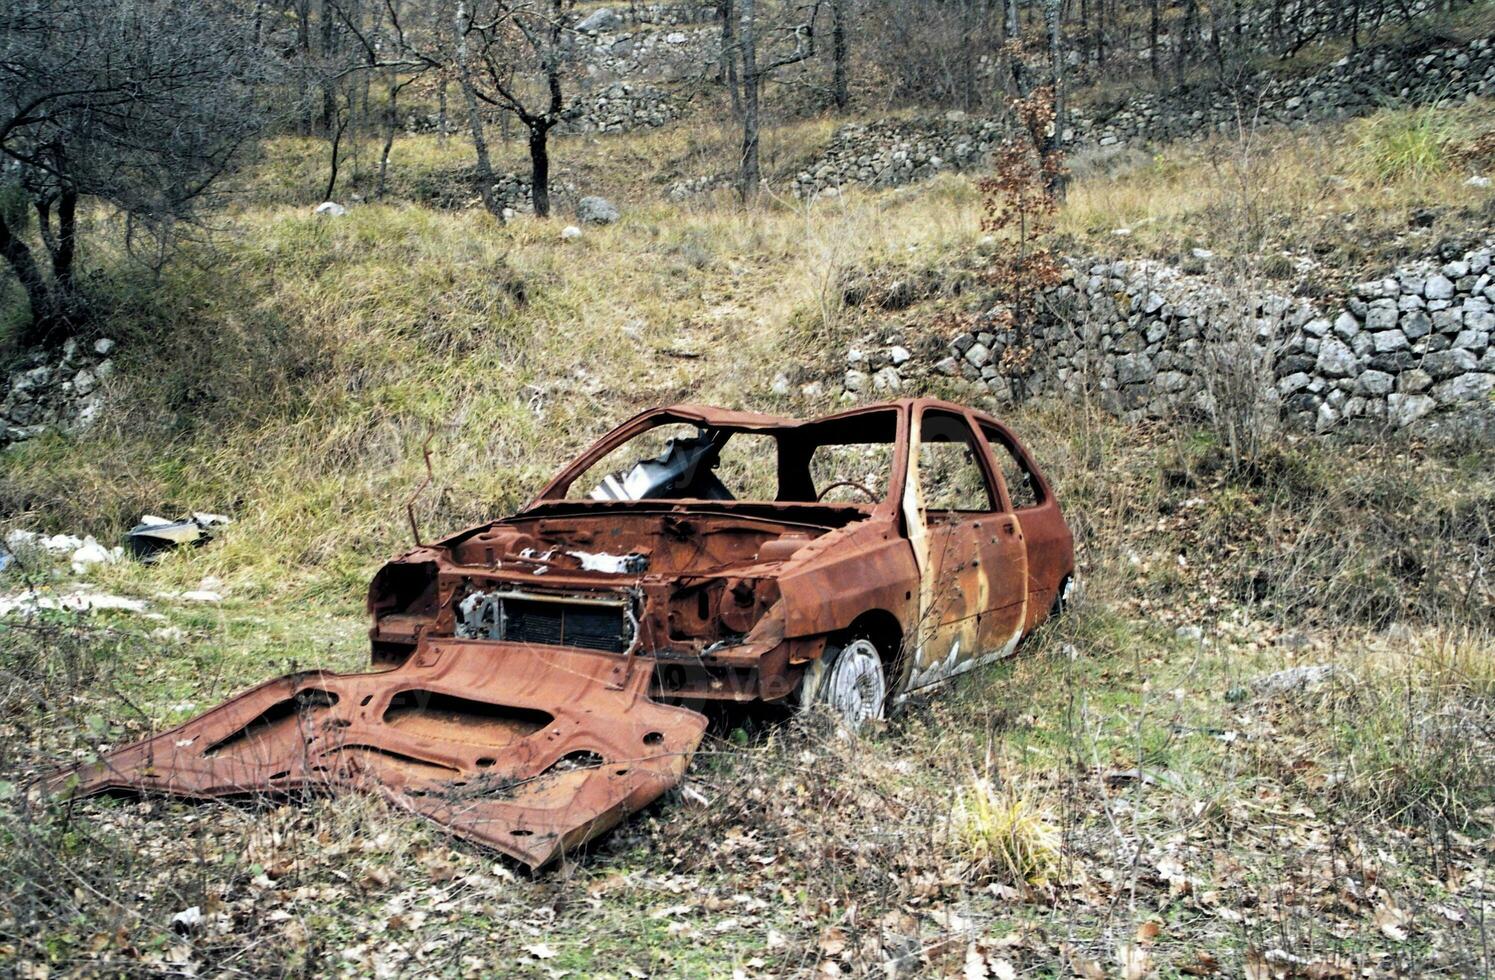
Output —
(518, 62)
(139, 104)
(795, 41)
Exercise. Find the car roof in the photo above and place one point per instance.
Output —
(733, 419)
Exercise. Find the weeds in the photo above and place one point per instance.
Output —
(1004, 834)
(1410, 145)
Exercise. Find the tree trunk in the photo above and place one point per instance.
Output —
(340, 126)
(1152, 49)
(1054, 143)
(441, 123)
(329, 96)
(475, 119)
(727, 66)
(539, 167)
(67, 239)
(839, 53)
(391, 120)
(23, 264)
(749, 175)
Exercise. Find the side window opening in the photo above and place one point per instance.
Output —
(1022, 485)
(950, 474)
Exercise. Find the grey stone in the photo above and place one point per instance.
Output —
(1318, 327)
(1335, 360)
(604, 19)
(1374, 383)
(887, 379)
(1404, 409)
(1417, 324)
(1413, 381)
(1389, 340)
(978, 354)
(1472, 340)
(1293, 383)
(1438, 287)
(1381, 315)
(898, 354)
(949, 366)
(1465, 388)
(856, 381)
(1346, 325)
(1134, 369)
(596, 211)
(1447, 363)
(1326, 419)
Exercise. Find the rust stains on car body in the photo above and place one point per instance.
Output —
(535, 675)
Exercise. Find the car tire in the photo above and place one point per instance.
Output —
(848, 681)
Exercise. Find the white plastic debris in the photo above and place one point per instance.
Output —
(91, 553)
(331, 209)
(79, 601)
(200, 595)
(187, 920)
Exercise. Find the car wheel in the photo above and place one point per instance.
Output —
(849, 682)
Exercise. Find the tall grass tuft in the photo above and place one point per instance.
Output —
(1004, 834)
(1412, 145)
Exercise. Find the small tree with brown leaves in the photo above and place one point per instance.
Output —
(1019, 201)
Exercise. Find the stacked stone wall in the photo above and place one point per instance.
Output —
(1149, 341)
(901, 151)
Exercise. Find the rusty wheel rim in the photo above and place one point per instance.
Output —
(856, 688)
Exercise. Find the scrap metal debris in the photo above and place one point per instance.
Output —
(154, 535)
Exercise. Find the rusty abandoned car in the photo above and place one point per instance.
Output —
(535, 678)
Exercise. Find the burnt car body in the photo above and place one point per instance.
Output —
(535, 677)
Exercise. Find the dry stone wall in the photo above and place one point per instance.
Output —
(1351, 86)
(1149, 341)
(901, 151)
(56, 391)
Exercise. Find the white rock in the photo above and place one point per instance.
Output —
(330, 209)
(201, 595)
(570, 231)
(103, 346)
(1293, 679)
(61, 544)
(1477, 181)
(780, 385)
(898, 354)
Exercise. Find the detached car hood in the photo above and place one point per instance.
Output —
(531, 750)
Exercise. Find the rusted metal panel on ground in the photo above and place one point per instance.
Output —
(530, 750)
